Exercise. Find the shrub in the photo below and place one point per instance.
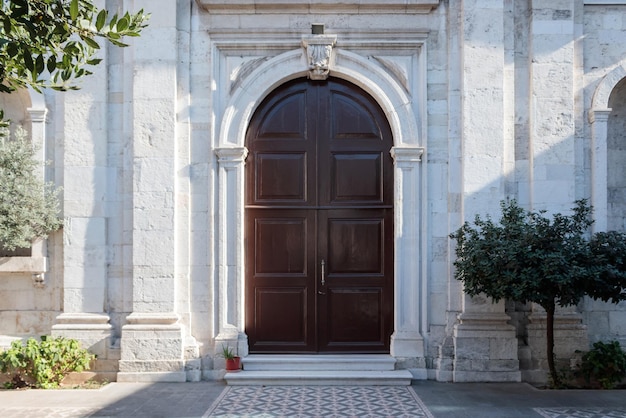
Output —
(43, 364)
(28, 207)
(604, 363)
(528, 257)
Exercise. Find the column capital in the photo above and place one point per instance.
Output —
(37, 115)
(231, 155)
(407, 154)
(600, 115)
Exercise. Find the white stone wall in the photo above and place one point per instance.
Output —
(604, 59)
(486, 99)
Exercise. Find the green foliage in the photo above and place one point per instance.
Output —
(28, 206)
(43, 364)
(49, 43)
(528, 257)
(45, 44)
(227, 352)
(605, 363)
(609, 251)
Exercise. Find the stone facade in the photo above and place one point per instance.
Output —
(486, 99)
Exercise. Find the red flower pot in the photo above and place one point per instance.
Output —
(233, 365)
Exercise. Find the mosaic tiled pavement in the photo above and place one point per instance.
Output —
(581, 412)
(318, 401)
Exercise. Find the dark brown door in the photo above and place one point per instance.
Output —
(319, 221)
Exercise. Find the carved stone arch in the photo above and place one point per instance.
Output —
(598, 119)
(372, 78)
(404, 119)
(601, 96)
(28, 108)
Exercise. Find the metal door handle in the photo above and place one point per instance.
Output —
(323, 263)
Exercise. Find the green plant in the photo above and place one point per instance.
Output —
(50, 43)
(227, 353)
(28, 206)
(43, 364)
(605, 363)
(528, 257)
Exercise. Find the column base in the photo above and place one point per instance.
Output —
(570, 337)
(485, 349)
(95, 333)
(407, 344)
(93, 330)
(152, 349)
(408, 349)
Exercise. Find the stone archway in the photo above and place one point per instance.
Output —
(399, 109)
(598, 119)
(616, 158)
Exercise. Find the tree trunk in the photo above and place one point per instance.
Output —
(550, 344)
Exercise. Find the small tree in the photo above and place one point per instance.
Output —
(45, 44)
(50, 43)
(530, 258)
(28, 206)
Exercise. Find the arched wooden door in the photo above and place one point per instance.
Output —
(319, 221)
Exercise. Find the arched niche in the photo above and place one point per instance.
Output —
(26, 108)
(616, 158)
(598, 118)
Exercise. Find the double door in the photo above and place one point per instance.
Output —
(319, 222)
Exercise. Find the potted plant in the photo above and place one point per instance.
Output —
(233, 362)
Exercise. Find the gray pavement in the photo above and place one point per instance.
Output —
(502, 400)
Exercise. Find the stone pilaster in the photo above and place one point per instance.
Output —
(38, 115)
(407, 341)
(153, 340)
(485, 345)
(82, 115)
(599, 195)
(230, 286)
(553, 67)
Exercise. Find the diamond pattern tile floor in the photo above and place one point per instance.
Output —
(318, 401)
(581, 412)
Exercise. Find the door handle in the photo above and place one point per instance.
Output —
(323, 264)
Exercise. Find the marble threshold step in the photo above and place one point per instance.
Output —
(351, 370)
(319, 362)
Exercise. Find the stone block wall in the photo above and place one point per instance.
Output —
(489, 100)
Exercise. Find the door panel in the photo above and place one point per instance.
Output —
(349, 185)
(355, 245)
(319, 221)
(356, 311)
(285, 327)
(279, 295)
(285, 118)
(354, 319)
(281, 177)
(282, 246)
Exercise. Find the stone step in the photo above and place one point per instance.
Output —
(356, 362)
(352, 369)
(319, 377)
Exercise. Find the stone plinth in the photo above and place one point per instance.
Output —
(485, 348)
(152, 349)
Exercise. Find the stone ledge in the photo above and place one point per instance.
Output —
(23, 264)
(319, 6)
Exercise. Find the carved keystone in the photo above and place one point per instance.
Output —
(319, 50)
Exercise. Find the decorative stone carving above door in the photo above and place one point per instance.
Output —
(319, 51)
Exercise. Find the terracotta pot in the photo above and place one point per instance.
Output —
(233, 365)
